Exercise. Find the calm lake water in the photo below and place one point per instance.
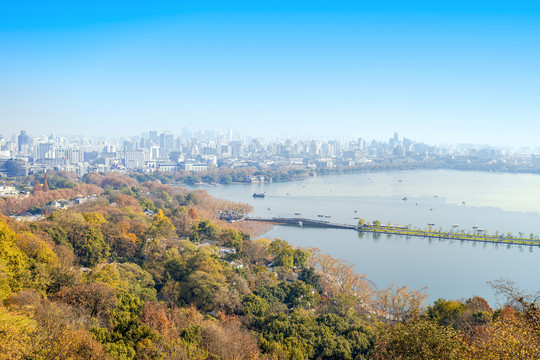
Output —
(450, 269)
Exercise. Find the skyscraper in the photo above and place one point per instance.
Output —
(166, 141)
(23, 139)
(152, 136)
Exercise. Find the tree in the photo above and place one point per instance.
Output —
(97, 298)
(255, 305)
(126, 337)
(300, 294)
(300, 258)
(447, 312)
(207, 230)
(54, 331)
(88, 245)
(285, 259)
(510, 336)
(37, 187)
(283, 253)
(15, 331)
(300, 335)
(45, 184)
(310, 276)
(94, 218)
(418, 339)
(231, 237)
(397, 303)
(201, 287)
(139, 282)
(341, 282)
(161, 228)
(13, 262)
(124, 200)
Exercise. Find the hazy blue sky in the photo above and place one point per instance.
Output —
(437, 71)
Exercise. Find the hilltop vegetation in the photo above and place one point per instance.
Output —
(148, 271)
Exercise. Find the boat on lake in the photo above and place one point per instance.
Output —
(256, 195)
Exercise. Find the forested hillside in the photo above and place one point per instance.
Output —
(148, 271)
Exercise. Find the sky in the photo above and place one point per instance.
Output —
(435, 71)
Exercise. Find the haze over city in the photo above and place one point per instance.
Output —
(454, 72)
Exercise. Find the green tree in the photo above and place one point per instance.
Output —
(88, 245)
(283, 253)
(447, 312)
(161, 227)
(233, 238)
(418, 339)
(255, 305)
(310, 276)
(300, 294)
(206, 230)
(300, 258)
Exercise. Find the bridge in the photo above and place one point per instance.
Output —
(303, 222)
(402, 231)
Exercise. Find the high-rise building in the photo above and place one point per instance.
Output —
(154, 153)
(75, 156)
(135, 158)
(45, 151)
(153, 136)
(23, 139)
(166, 141)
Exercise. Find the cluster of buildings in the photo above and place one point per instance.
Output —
(152, 151)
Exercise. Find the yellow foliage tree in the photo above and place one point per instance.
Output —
(509, 336)
(94, 218)
(15, 330)
(13, 262)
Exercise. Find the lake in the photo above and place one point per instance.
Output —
(451, 269)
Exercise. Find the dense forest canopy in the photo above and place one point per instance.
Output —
(145, 270)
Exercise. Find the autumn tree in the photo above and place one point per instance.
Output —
(510, 336)
(161, 227)
(96, 298)
(37, 187)
(349, 289)
(13, 262)
(45, 183)
(397, 303)
(123, 200)
(36, 328)
(514, 332)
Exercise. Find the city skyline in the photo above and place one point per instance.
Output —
(455, 72)
(187, 135)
